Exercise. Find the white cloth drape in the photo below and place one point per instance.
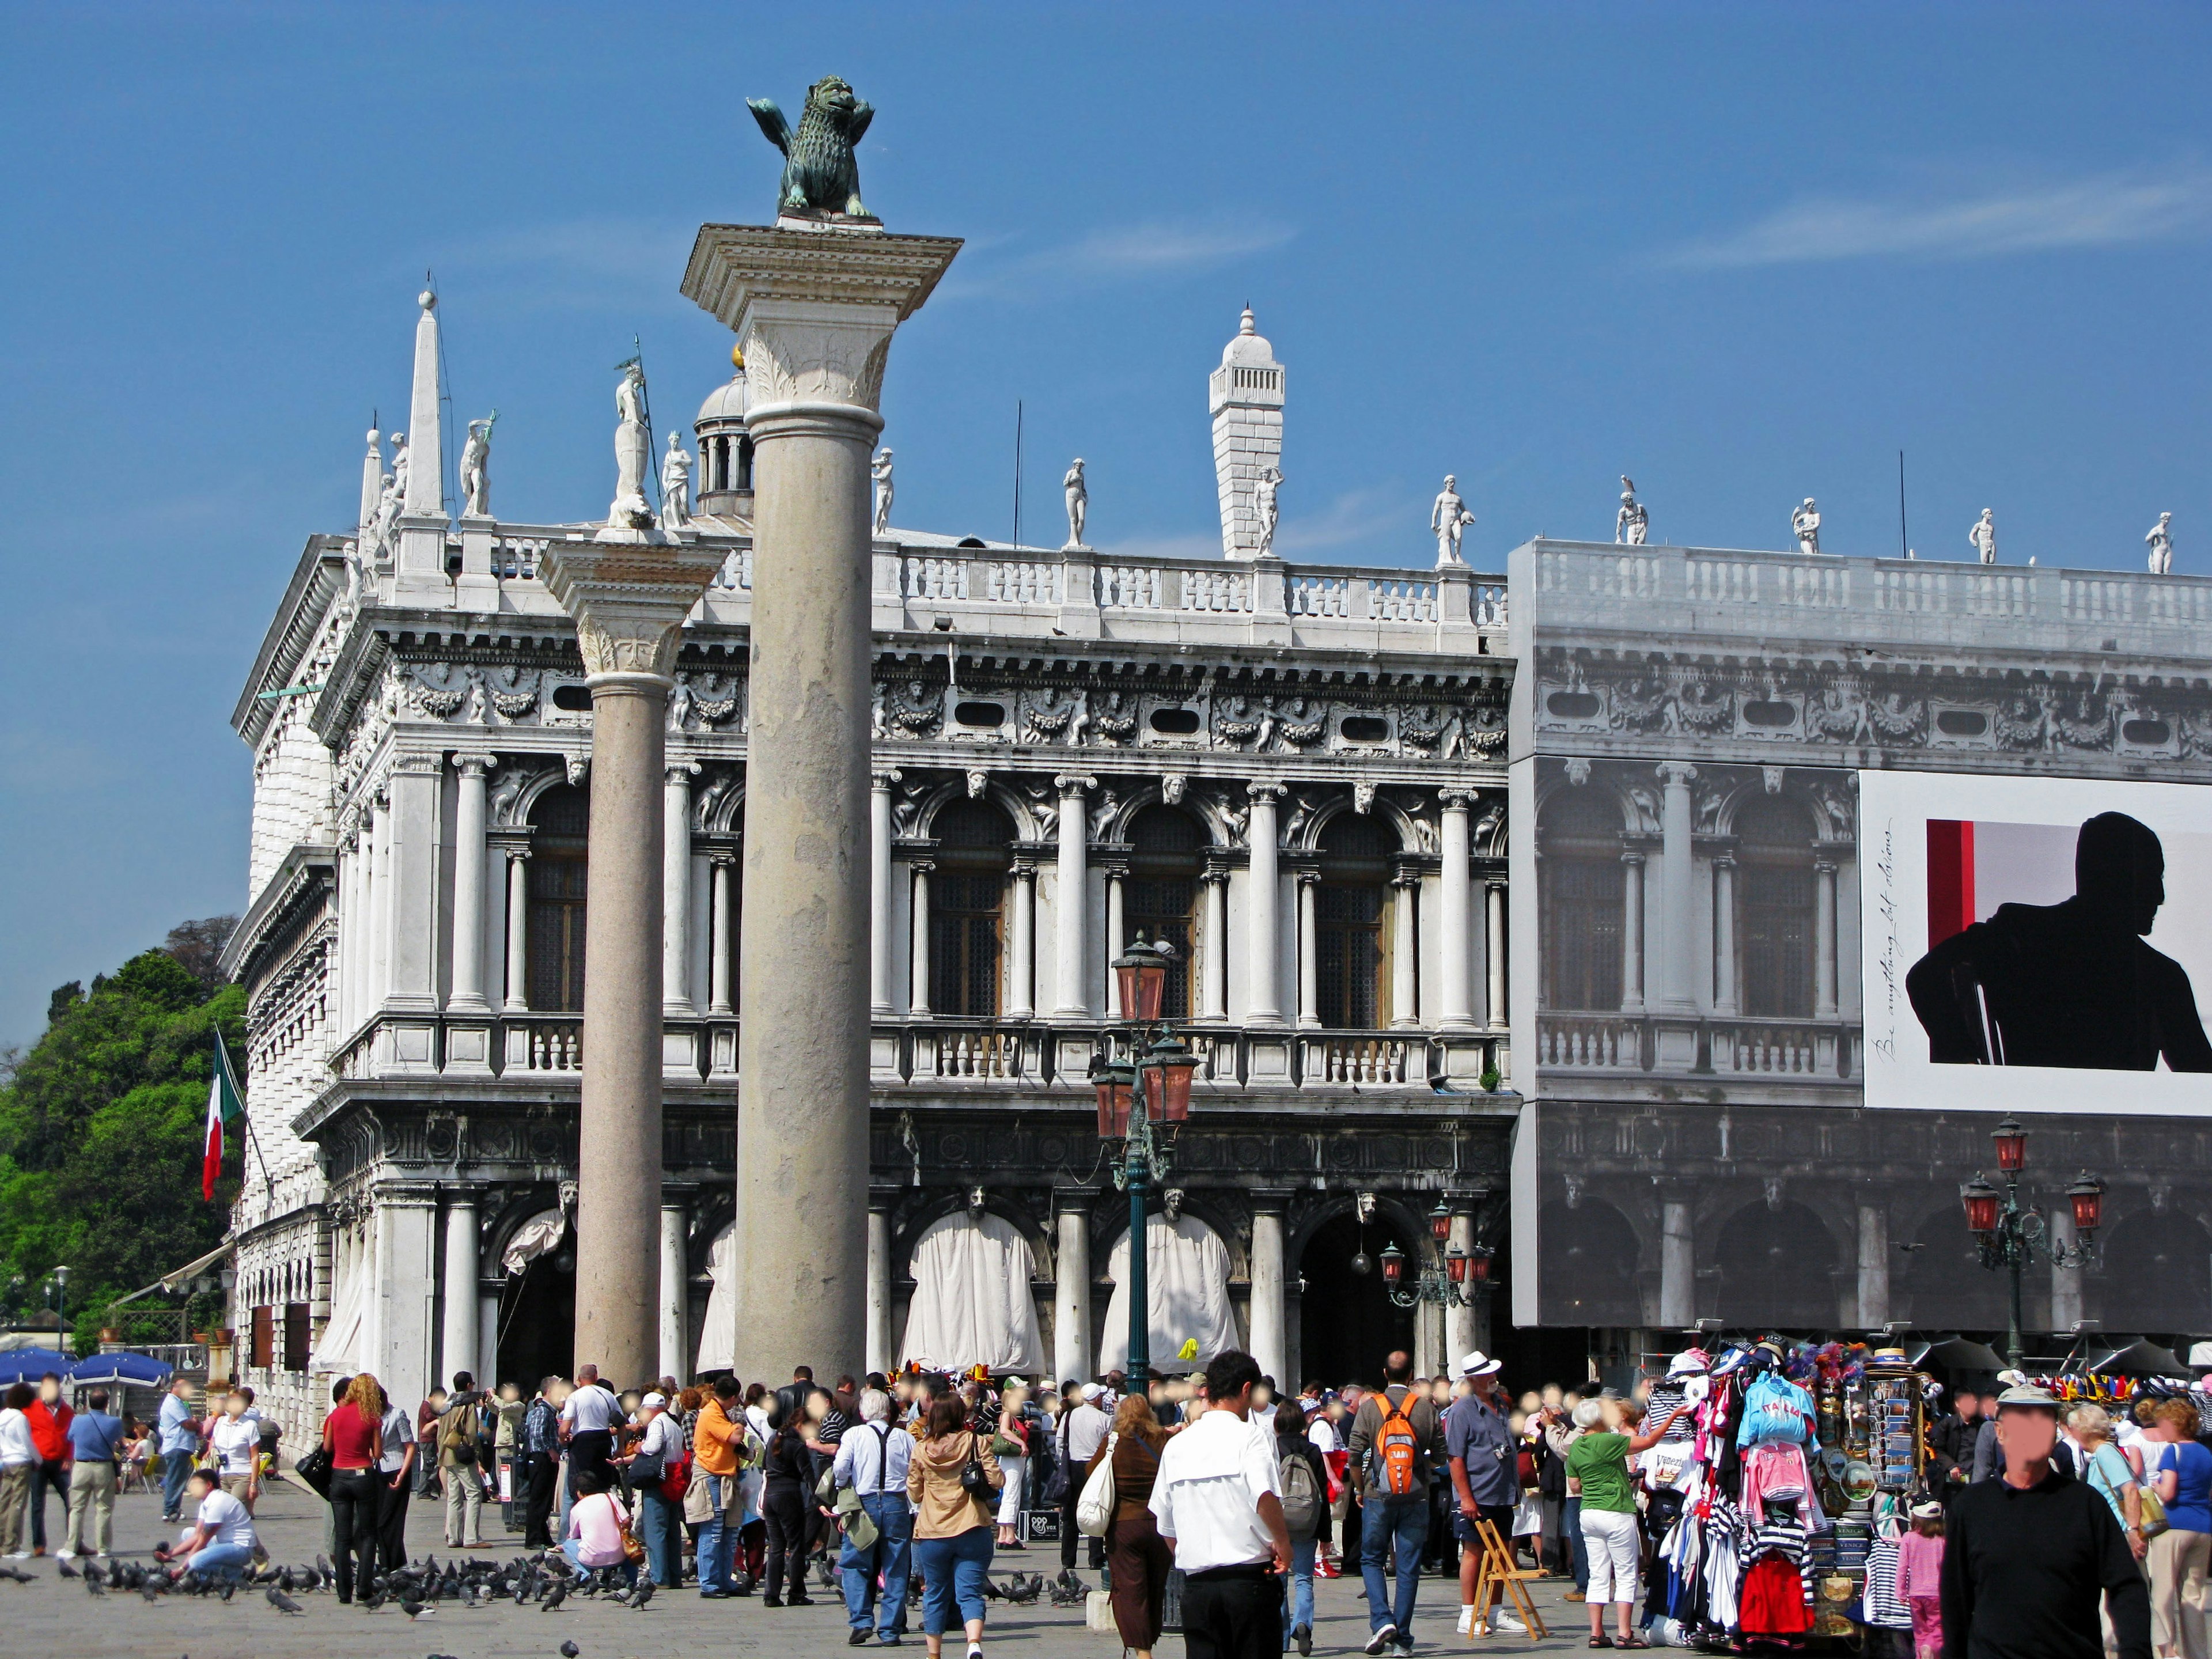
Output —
(531, 1240)
(718, 1331)
(1187, 1278)
(972, 1304)
(342, 1334)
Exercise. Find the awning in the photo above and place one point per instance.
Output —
(123, 1366)
(29, 1364)
(1957, 1353)
(2139, 1357)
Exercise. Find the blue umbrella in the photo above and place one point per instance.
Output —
(29, 1364)
(122, 1367)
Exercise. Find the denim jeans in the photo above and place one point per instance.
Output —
(1298, 1598)
(888, 1555)
(1570, 1519)
(659, 1528)
(220, 1561)
(952, 1571)
(1385, 1522)
(176, 1469)
(718, 1537)
(573, 1549)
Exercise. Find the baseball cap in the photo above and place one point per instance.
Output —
(1688, 1363)
(657, 1401)
(1092, 1391)
(1475, 1363)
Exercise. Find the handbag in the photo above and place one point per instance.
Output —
(314, 1469)
(1056, 1484)
(633, 1551)
(1094, 1509)
(973, 1481)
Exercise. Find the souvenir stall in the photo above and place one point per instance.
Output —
(1780, 1491)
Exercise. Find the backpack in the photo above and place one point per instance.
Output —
(1397, 1451)
(1300, 1496)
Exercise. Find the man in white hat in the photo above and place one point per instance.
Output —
(1486, 1478)
(1082, 1428)
(2028, 1558)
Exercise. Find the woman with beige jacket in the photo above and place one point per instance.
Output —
(952, 1527)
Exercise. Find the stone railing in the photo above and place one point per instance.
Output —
(1815, 1050)
(1578, 585)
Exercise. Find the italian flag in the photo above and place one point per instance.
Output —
(225, 1105)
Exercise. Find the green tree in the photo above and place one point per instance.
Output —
(101, 1127)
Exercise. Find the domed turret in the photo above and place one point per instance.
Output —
(726, 449)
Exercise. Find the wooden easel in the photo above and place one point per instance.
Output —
(1498, 1572)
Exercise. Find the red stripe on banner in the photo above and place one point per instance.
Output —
(211, 1163)
(1950, 879)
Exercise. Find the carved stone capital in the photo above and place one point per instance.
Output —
(1457, 800)
(1267, 792)
(629, 599)
(1676, 774)
(1073, 785)
(883, 778)
(474, 765)
(681, 771)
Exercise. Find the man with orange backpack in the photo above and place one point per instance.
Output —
(1394, 1443)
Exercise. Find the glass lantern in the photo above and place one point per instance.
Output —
(1116, 1085)
(1141, 979)
(1168, 1071)
(1394, 1265)
(1981, 1202)
(2087, 1195)
(2012, 1145)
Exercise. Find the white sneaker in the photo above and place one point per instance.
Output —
(1466, 1619)
(1382, 1639)
(64, 1555)
(19, 1555)
(1507, 1623)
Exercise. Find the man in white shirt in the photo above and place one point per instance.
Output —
(587, 1424)
(1215, 1503)
(395, 1465)
(221, 1543)
(180, 1429)
(872, 1463)
(1082, 1430)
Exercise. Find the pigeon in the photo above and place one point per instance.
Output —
(1026, 1590)
(149, 1591)
(68, 1570)
(18, 1576)
(229, 1590)
(328, 1573)
(97, 1586)
(413, 1608)
(554, 1597)
(569, 1651)
(281, 1602)
(991, 1589)
(642, 1594)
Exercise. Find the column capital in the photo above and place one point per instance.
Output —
(1306, 875)
(629, 600)
(1269, 1200)
(1074, 784)
(1676, 774)
(417, 766)
(881, 780)
(681, 771)
(1073, 1199)
(1824, 864)
(724, 861)
(1266, 793)
(883, 1200)
(474, 765)
(1457, 799)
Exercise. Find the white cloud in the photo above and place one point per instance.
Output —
(1127, 253)
(2105, 211)
(583, 263)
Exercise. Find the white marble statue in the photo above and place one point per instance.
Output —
(476, 469)
(394, 499)
(1804, 525)
(1983, 536)
(1264, 503)
(2161, 545)
(880, 470)
(675, 485)
(1078, 502)
(1449, 518)
(630, 510)
(1631, 522)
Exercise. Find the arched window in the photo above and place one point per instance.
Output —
(558, 861)
(1581, 887)
(1778, 1268)
(1161, 898)
(966, 909)
(1351, 923)
(1774, 908)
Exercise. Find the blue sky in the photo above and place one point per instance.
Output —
(1743, 253)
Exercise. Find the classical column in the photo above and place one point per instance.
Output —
(918, 939)
(1309, 949)
(1267, 1314)
(459, 1321)
(814, 312)
(1072, 1352)
(1631, 932)
(1493, 951)
(880, 1355)
(1678, 1263)
(1459, 1323)
(2065, 1282)
(1676, 982)
(1724, 935)
(1405, 956)
(353, 925)
(882, 896)
(468, 985)
(1073, 899)
(377, 981)
(402, 1328)
(1456, 923)
(1874, 1267)
(1263, 1005)
(719, 949)
(1824, 938)
(676, 888)
(675, 1292)
(1021, 996)
(417, 782)
(1213, 962)
(629, 598)
(1117, 936)
(517, 929)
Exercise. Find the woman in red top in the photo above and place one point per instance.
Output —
(353, 1434)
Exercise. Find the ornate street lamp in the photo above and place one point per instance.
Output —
(1441, 1286)
(2010, 1235)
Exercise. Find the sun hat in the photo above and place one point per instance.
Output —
(1475, 1363)
(2028, 1394)
(1691, 1362)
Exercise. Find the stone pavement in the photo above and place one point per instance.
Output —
(54, 1615)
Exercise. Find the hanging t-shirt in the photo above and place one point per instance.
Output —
(1775, 1408)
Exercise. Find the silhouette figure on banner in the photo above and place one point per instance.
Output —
(2071, 984)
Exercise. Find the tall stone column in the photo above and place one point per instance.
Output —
(882, 896)
(1678, 1262)
(880, 1357)
(517, 929)
(719, 946)
(1263, 998)
(1267, 1315)
(1724, 1000)
(2065, 1282)
(814, 312)
(1824, 938)
(1073, 906)
(675, 889)
(628, 599)
(468, 983)
(416, 783)
(1213, 964)
(1455, 930)
(1405, 956)
(917, 994)
(1459, 1323)
(1021, 994)
(1494, 951)
(675, 1291)
(458, 1322)
(377, 981)
(1631, 932)
(1874, 1267)
(1117, 932)
(1072, 1353)
(1676, 980)
(1309, 949)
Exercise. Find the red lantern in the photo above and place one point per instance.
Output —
(1168, 1069)
(1440, 1223)
(1140, 978)
(1981, 1202)
(1394, 1265)
(2012, 1145)
(1478, 1262)
(1455, 1264)
(1115, 1085)
(2087, 1196)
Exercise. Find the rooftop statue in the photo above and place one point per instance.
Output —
(1804, 525)
(476, 469)
(1449, 518)
(2161, 545)
(1632, 523)
(880, 470)
(1982, 537)
(821, 178)
(1079, 502)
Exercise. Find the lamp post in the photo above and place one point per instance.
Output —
(2010, 1235)
(1440, 1287)
(61, 1308)
(1155, 1081)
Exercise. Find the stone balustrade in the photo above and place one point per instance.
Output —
(1812, 1050)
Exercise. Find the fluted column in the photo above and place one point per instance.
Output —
(517, 929)
(1405, 956)
(1263, 1000)
(468, 982)
(720, 952)
(1021, 994)
(1073, 902)
(882, 894)
(458, 1323)
(1308, 943)
(1824, 938)
(676, 888)
(1072, 1352)
(1213, 967)
(675, 1292)
(1724, 996)
(1631, 932)
(918, 939)
(1676, 989)
(1455, 943)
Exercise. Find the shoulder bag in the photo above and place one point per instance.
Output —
(314, 1470)
(1094, 1509)
(1061, 1480)
(974, 1481)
